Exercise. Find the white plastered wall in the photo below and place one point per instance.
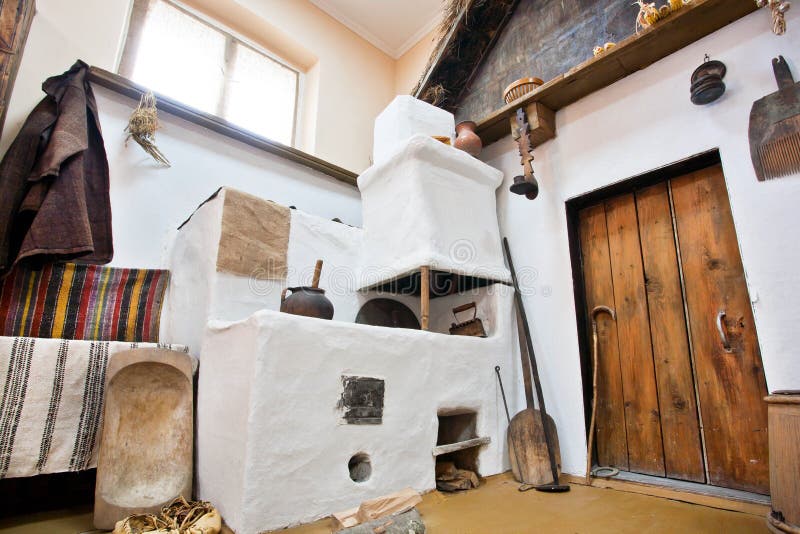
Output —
(148, 202)
(198, 292)
(638, 124)
(428, 204)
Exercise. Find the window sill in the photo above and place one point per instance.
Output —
(124, 86)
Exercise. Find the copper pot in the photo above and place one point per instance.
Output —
(466, 138)
(308, 301)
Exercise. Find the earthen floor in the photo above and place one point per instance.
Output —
(498, 508)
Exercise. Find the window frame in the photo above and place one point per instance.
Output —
(130, 46)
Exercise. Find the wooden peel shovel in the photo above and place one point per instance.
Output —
(532, 438)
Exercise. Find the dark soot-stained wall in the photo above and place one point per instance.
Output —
(545, 38)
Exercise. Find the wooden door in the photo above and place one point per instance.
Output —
(731, 383)
(15, 21)
(638, 252)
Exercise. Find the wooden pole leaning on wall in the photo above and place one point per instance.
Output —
(425, 296)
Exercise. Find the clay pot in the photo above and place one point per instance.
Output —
(466, 138)
(308, 301)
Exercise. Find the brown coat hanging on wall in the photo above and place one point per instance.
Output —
(54, 200)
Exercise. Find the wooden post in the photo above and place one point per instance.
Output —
(425, 295)
(784, 460)
(317, 274)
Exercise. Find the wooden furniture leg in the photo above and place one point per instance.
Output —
(425, 296)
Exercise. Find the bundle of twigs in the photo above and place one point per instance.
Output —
(178, 517)
(451, 14)
(142, 127)
(464, 36)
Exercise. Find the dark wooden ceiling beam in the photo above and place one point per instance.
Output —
(461, 52)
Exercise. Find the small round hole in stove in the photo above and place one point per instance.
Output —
(360, 467)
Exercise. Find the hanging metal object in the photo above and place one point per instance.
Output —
(525, 184)
(707, 85)
(471, 327)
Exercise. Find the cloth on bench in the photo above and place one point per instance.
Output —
(52, 404)
(72, 301)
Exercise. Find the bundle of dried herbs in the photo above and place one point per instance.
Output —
(142, 127)
(178, 517)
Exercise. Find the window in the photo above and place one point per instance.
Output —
(175, 53)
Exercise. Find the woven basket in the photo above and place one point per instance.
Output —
(520, 87)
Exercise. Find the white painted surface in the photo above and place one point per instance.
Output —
(403, 118)
(393, 26)
(640, 123)
(430, 204)
(198, 293)
(270, 382)
(272, 450)
(149, 202)
(61, 32)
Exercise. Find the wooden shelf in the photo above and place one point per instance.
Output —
(124, 86)
(461, 445)
(693, 22)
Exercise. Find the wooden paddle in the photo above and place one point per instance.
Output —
(526, 440)
(533, 449)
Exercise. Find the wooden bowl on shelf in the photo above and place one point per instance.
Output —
(520, 87)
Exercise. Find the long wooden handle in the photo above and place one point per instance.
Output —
(425, 296)
(317, 274)
(526, 363)
(465, 307)
(782, 73)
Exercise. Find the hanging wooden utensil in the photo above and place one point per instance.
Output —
(525, 184)
(775, 127)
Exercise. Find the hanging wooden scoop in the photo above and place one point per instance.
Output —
(775, 127)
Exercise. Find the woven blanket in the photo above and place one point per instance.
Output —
(71, 301)
(52, 404)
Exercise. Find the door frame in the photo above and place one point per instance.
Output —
(574, 205)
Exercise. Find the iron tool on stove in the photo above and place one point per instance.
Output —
(471, 327)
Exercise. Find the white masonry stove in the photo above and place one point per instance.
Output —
(283, 433)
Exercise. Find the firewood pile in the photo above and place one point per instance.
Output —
(450, 478)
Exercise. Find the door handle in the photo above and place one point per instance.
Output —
(723, 336)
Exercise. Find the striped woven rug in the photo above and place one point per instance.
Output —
(91, 302)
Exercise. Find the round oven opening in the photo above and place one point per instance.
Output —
(360, 467)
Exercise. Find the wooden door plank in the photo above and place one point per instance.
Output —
(731, 384)
(610, 438)
(680, 428)
(642, 419)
